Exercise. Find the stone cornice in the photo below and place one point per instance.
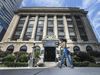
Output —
(50, 9)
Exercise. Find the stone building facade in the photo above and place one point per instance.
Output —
(43, 24)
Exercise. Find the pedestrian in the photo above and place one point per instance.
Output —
(65, 52)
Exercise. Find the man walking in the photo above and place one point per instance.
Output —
(65, 53)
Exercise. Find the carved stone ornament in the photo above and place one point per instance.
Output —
(50, 38)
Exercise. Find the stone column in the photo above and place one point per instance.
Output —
(34, 29)
(45, 26)
(66, 28)
(14, 27)
(24, 28)
(76, 29)
(86, 28)
(93, 36)
(55, 26)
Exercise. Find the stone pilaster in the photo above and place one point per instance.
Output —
(34, 29)
(76, 29)
(55, 26)
(24, 28)
(86, 28)
(14, 27)
(66, 28)
(45, 26)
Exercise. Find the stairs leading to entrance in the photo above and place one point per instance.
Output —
(51, 64)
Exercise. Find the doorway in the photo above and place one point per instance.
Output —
(49, 54)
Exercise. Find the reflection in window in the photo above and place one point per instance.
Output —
(29, 29)
(50, 26)
(23, 48)
(10, 48)
(71, 28)
(76, 48)
(19, 28)
(89, 48)
(38, 37)
(81, 28)
(39, 32)
(61, 32)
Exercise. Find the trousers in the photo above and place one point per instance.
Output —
(67, 56)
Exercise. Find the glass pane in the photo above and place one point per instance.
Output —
(50, 29)
(20, 25)
(32, 18)
(71, 33)
(60, 22)
(21, 21)
(31, 22)
(60, 29)
(29, 29)
(40, 29)
(18, 33)
(16, 37)
(71, 30)
(28, 33)
(70, 25)
(23, 18)
(30, 25)
(38, 38)
(41, 22)
(50, 23)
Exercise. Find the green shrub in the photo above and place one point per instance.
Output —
(60, 57)
(19, 53)
(9, 57)
(81, 64)
(16, 64)
(37, 53)
(75, 58)
(94, 53)
(3, 54)
(61, 52)
(23, 58)
(1, 59)
(93, 65)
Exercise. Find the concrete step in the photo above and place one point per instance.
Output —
(51, 64)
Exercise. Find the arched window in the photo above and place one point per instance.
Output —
(89, 48)
(37, 48)
(10, 48)
(76, 48)
(23, 48)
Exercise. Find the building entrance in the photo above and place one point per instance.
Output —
(49, 54)
(49, 51)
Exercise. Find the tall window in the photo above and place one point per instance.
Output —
(19, 28)
(50, 27)
(40, 26)
(71, 28)
(81, 28)
(29, 29)
(60, 24)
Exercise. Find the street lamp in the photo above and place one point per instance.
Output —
(31, 59)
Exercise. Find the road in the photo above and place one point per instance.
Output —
(53, 71)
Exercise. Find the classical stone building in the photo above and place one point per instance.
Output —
(46, 26)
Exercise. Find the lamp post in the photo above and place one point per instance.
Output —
(32, 57)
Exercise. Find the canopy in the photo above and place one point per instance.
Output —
(50, 44)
